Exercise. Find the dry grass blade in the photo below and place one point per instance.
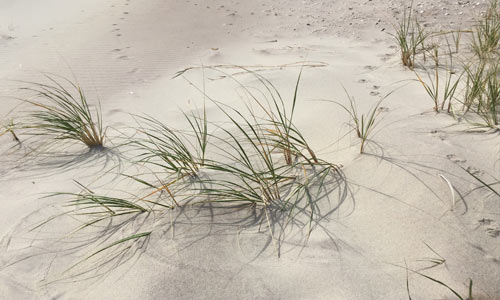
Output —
(452, 190)
(133, 237)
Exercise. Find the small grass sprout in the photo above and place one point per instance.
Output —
(364, 123)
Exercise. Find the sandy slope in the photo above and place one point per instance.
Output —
(394, 200)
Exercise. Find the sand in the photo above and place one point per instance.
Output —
(395, 206)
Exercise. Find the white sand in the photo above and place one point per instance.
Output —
(128, 51)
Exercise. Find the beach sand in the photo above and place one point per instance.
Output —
(392, 210)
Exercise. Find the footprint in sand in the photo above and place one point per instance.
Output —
(373, 93)
(474, 171)
(386, 56)
(452, 157)
(6, 37)
(491, 227)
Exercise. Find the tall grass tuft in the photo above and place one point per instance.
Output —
(284, 134)
(64, 113)
(262, 159)
(172, 149)
(432, 85)
(250, 171)
(489, 105)
(410, 36)
(486, 36)
(482, 92)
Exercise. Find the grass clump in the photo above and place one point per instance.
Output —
(486, 36)
(280, 127)
(482, 92)
(476, 82)
(410, 37)
(172, 149)
(252, 172)
(262, 159)
(432, 85)
(64, 113)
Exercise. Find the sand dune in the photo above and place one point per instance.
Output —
(385, 208)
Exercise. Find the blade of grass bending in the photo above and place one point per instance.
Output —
(442, 284)
(132, 237)
(407, 281)
(480, 180)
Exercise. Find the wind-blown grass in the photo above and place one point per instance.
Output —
(252, 174)
(63, 112)
(285, 134)
(257, 158)
(172, 149)
(261, 160)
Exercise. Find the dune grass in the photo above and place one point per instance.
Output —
(63, 112)
(410, 37)
(482, 92)
(285, 135)
(172, 149)
(488, 106)
(475, 82)
(258, 158)
(364, 123)
(262, 157)
(432, 84)
(486, 36)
